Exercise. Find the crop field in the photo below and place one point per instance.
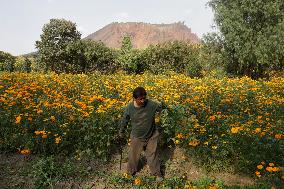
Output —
(236, 121)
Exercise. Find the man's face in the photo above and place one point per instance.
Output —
(140, 101)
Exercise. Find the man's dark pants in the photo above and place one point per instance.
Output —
(152, 156)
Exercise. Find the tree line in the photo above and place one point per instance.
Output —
(249, 42)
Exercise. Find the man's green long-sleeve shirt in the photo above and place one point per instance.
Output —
(142, 119)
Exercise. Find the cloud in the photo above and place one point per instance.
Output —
(50, 1)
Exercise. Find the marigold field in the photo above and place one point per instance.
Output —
(236, 120)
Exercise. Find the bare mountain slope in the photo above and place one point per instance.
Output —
(143, 34)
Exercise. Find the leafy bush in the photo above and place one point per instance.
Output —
(7, 62)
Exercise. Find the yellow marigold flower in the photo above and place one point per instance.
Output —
(39, 111)
(257, 130)
(235, 129)
(57, 140)
(177, 141)
(282, 177)
(260, 166)
(18, 119)
(263, 163)
(52, 118)
(184, 176)
(137, 181)
(86, 114)
(188, 186)
(272, 187)
(214, 147)
(126, 175)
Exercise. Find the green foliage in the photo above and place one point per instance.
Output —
(176, 56)
(213, 57)
(128, 58)
(46, 171)
(88, 56)
(57, 34)
(23, 64)
(252, 33)
(126, 45)
(7, 62)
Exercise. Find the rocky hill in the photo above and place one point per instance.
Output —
(143, 34)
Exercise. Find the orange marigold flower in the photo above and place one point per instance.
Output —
(212, 118)
(193, 143)
(269, 169)
(278, 136)
(260, 166)
(25, 151)
(137, 181)
(271, 164)
(275, 169)
(44, 136)
(18, 119)
(257, 130)
(257, 173)
(179, 136)
(213, 186)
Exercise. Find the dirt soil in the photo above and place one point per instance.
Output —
(13, 172)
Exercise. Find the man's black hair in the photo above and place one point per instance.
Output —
(139, 92)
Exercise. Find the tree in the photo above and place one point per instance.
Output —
(253, 33)
(176, 56)
(7, 61)
(57, 34)
(87, 56)
(129, 58)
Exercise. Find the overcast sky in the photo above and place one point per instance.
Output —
(21, 21)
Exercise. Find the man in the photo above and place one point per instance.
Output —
(141, 114)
